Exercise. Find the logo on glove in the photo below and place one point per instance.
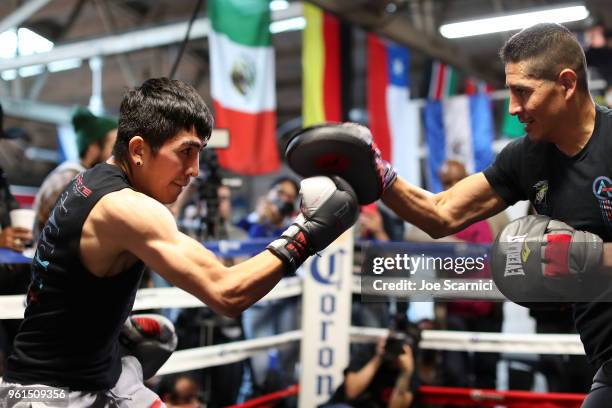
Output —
(517, 253)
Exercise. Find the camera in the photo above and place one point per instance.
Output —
(394, 345)
(285, 208)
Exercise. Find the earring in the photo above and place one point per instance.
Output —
(139, 163)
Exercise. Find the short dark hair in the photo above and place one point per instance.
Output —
(157, 110)
(289, 179)
(548, 48)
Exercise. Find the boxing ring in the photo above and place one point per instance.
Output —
(326, 287)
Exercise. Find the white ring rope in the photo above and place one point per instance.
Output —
(13, 306)
(220, 354)
(209, 356)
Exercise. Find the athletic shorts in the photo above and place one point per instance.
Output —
(601, 390)
(128, 392)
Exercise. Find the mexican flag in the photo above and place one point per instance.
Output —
(242, 84)
(459, 128)
(443, 82)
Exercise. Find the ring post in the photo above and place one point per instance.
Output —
(326, 320)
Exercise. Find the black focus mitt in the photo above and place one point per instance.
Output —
(537, 259)
(343, 149)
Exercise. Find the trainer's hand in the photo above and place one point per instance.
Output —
(15, 238)
(346, 150)
(328, 208)
(535, 258)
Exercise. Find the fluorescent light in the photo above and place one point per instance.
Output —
(277, 5)
(289, 24)
(22, 42)
(63, 65)
(9, 74)
(32, 43)
(8, 39)
(31, 70)
(513, 21)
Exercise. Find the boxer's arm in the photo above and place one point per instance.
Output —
(146, 228)
(470, 200)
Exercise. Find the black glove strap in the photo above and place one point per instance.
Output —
(291, 248)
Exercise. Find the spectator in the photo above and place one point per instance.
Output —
(10, 237)
(375, 224)
(14, 279)
(381, 375)
(378, 223)
(273, 210)
(274, 370)
(96, 136)
(460, 368)
(180, 391)
(190, 208)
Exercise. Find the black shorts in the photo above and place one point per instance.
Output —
(601, 390)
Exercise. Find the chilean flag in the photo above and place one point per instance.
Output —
(393, 118)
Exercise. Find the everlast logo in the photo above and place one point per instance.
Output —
(514, 260)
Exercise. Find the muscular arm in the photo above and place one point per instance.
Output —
(132, 222)
(448, 212)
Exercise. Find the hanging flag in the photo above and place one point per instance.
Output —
(473, 86)
(393, 118)
(242, 84)
(511, 126)
(458, 128)
(443, 82)
(321, 86)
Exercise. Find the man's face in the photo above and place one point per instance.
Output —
(286, 191)
(538, 103)
(225, 202)
(166, 173)
(278, 195)
(451, 174)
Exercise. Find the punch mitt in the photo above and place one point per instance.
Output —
(538, 259)
(342, 149)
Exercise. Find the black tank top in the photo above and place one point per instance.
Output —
(68, 337)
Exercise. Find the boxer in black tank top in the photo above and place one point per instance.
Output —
(112, 219)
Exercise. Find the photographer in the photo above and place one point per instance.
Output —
(380, 375)
(273, 210)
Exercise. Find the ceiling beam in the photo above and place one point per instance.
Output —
(113, 44)
(130, 41)
(20, 15)
(34, 110)
(60, 115)
(400, 29)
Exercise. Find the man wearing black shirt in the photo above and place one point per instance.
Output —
(376, 378)
(563, 167)
(110, 221)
